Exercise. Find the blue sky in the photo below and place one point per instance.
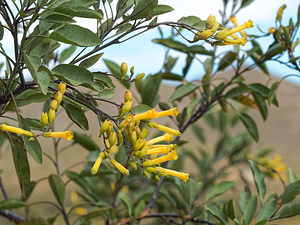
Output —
(147, 57)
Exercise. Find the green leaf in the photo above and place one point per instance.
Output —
(76, 115)
(250, 125)
(72, 74)
(250, 210)
(243, 199)
(268, 209)
(90, 61)
(289, 210)
(42, 78)
(291, 191)
(227, 60)
(140, 108)
(104, 79)
(292, 176)
(150, 95)
(21, 165)
(246, 3)
(1, 31)
(127, 201)
(80, 11)
(138, 209)
(161, 9)
(66, 53)
(259, 180)
(115, 70)
(260, 89)
(182, 91)
(215, 211)
(85, 141)
(199, 132)
(262, 106)
(193, 105)
(236, 91)
(219, 189)
(95, 213)
(32, 146)
(171, 76)
(143, 9)
(169, 43)
(58, 18)
(11, 204)
(58, 188)
(193, 21)
(84, 37)
(106, 94)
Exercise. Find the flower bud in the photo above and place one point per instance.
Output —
(151, 169)
(128, 96)
(144, 151)
(157, 178)
(123, 69)
(133, 165)
(62, 87)
(139, 144)
(146, 173)
(133, 137)
(132, 70)
(126, 107)
(211, 20)
(58, 97)
(44, 120)
(144, 133)
(104, 127)
(112, 138)
(110, 129)
(54, 105)
(140, 77)
(120, 137)
(114, 149)
(51, 116)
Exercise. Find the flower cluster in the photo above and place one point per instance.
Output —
(225, 36)
(45, 119)
(132, 131)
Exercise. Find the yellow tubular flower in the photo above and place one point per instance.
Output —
(165, 137)
(164, 128)
(239, 41)
(163, 150)
(151, 114)
(170, 156)
(210, 21)
(62, 87)
(96, 165)
(229, 31)
(121, 168)
(182, 176)
(68, 135)
(170, 112)
(234, 21)
(127, 120)
(15, 130)
(170, 146)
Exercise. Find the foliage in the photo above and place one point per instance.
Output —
(114, 185)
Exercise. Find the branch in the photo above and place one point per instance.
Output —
(11, 216)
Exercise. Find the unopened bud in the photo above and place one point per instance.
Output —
(51, 116)
(140, 76)
(123, 69)
(44, 120)
(144, 151)
(62, 87)
(146, 173)
(139, 144)
(211, 20)
(133, 165)
(104, 127)
(126, 107)
(112, 138)
(151, 170)
(128, 96)
(114, 149)
(58, 97)
(120, 137)
(144, 133)
(157, 178)
(133, 137)
(132, 70)
(54, 105)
